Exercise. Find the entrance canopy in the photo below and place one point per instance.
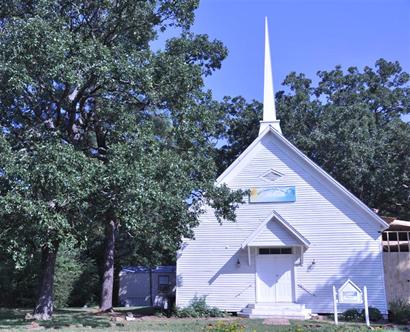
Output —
(275, 231)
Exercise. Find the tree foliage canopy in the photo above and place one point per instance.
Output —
(81, 75)
(43, 193)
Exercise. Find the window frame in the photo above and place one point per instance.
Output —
(162, 286)
(275, 251)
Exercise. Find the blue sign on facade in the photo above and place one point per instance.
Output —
(273, 194)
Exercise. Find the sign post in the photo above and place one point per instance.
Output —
(335, 305)
(350, 293)
(366, 306)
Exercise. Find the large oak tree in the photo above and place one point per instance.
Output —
(134, 127)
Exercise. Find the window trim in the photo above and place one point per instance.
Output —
(275, 251)
(163, 276)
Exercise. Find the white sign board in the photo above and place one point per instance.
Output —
(350, 293)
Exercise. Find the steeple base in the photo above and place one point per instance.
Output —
(274, 124)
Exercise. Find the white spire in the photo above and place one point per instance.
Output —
(269, 110)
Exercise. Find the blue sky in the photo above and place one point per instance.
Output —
(305, 35)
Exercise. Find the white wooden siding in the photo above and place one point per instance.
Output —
(345, 241)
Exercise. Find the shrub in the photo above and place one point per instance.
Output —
(374, 314)
(186, 313)
(67, 271)
(352, 315)
(76, 279)
(216, 312)
(87, 287)
(199, 308)
(399, 311)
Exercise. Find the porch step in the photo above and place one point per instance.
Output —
(276, 310)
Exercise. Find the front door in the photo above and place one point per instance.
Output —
(274, 275)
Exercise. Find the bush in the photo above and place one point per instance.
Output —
(186, 313)
(352, 315)
(374, 314)
(76, 279)
(87, 287)
(216, 312)
(399, 312)
(199, 308)
(67, 271)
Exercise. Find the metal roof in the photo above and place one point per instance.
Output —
(146, 269)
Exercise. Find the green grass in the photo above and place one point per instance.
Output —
(89, 320)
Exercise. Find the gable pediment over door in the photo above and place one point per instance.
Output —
(274, 234)
(275, 231)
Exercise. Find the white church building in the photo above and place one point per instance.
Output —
(298, 234)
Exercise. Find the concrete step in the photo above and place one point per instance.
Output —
(272, 310)
(276, 310)
(278, 305)
(257, 315)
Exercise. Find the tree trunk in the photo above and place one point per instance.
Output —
(44, 305)
(117, 269)
(108, 276)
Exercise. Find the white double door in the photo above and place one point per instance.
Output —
(275, 278)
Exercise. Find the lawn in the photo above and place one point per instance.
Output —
(89, 320)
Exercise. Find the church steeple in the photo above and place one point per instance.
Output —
(269, 110)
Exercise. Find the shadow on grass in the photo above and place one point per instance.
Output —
(69, 317)
(141, 311)
(14, 318)
(76, 320)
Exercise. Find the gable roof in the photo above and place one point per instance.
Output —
(283, 222)
(349, 282)
(312, 165)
